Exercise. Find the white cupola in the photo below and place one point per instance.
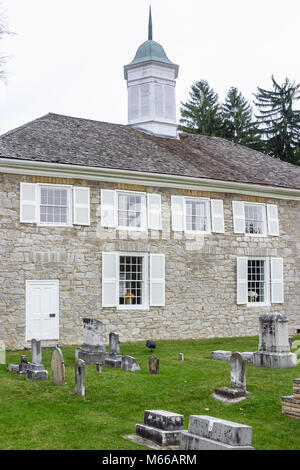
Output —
(151, 80)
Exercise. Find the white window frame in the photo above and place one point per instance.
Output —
(265, 232)
(267, 286)
(69, 200)
(207, 210)
(143, 211)
(146, 280)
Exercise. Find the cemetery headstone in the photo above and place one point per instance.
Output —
(23, 366)
(274, 347)
(113, 358)
(92, 350)
(36, 369)
(181, 357)
(160, 426)
(290, 405)
(58, 367)
(209, 433)
(130, 364)
(153, 365)
(237, 391)
(80, 377)
(99, 368)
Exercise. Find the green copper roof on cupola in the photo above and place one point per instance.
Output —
(150, 50)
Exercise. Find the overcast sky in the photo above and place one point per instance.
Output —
(67, 56)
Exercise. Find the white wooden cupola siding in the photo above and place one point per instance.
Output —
(269, 214)
(76, 204)
(152, 280)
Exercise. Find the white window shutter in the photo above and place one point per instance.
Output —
(238, 216)
(157, 280)
(177, 205)
(154, 211)
(110, 276)
(273, 223)
(81, 205)
(217, 216)
(242, 280)
(277, 289)
(109, 205)
(29, 203)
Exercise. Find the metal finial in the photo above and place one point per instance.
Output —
(150, 25)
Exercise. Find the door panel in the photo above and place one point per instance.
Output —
(42, 310)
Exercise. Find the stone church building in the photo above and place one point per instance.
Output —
(159, 235)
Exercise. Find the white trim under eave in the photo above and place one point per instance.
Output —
(59, 170)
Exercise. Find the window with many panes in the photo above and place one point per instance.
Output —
(131, 210)
(131, 280)
(255, 219)
(197, 215)
(54, 205)
(257, 280)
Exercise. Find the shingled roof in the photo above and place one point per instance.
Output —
(67, 140)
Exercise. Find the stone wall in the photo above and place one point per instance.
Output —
(200, 275)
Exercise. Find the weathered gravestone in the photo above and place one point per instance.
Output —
(291, 404)
(20, 369)
(80, 377)
(58, 367)
(160, 426)
(237, 391)
(274, 347)
(130, 364)
(113, 358)
(209, 433)
(153, 365)
(92, 350)
(36, 369)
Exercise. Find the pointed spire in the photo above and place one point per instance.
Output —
(150, 25)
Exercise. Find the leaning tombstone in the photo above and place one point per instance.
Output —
(80, 377)
(36, 369)
(130, 364)
(274, 346)
(160, 426)
(209, 433)
(58, 367)
(153, 365)
(92, 350)
(237, 391)
(114, 358)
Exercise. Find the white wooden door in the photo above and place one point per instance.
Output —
(42, 310)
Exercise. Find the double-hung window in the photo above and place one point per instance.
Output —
(131, 210)
(57, 205)
(197, 214)
(197, 217)
(133, 280)
(255, 219)
(259, 281)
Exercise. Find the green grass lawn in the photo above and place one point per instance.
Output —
(40, 415)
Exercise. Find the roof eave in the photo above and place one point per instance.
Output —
(59, 170)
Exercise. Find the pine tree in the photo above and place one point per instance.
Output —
(201, 114)
(237, 120)
(279, 122)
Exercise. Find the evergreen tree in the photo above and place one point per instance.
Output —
(201, 114)
(237, 120)
(279, 122)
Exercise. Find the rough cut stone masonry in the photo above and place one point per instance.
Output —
(200, 277)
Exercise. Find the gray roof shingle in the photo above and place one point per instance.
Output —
(68, 140)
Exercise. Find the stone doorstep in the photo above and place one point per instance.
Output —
(159, 436)
(188, 441)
